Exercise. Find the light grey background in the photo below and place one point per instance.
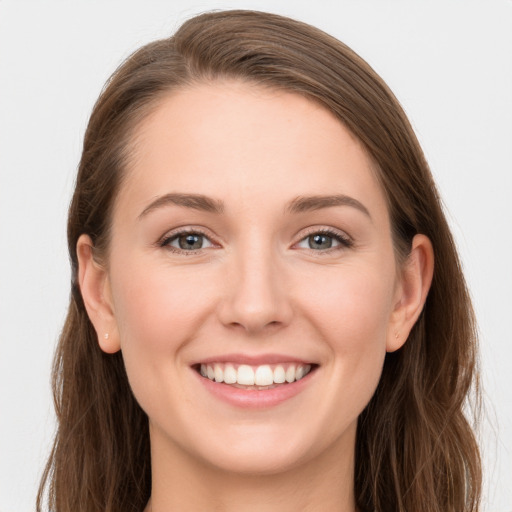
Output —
(450, 64)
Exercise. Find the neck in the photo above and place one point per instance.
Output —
(183, 482)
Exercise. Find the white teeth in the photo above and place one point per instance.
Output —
(264, 376)
(260, 376)
(290, 374)
(245, 375)
(279, 375)
(219, 374)
(229, 374)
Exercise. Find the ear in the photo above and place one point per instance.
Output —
(95, 288)
(414, 284)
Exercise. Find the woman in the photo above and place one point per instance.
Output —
(256, 318)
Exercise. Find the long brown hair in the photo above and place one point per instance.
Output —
(415, 449)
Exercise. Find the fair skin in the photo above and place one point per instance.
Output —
(255, 275)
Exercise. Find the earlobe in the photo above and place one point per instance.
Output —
(415, 281)
(95, 289)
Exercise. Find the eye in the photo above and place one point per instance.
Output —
(324, 240)
(187, 241)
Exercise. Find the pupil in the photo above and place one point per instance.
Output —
(188, 242)
(320, 242)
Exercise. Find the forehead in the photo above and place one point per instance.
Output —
(240, 142)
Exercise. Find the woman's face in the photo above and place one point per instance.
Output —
(251, 240)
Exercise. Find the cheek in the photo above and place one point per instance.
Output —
(157, 311)
(353, 314)
(154, 305)
(352, 308)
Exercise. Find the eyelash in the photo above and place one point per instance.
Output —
(168, 238)
(344, 241)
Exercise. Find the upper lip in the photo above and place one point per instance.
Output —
(253, 360)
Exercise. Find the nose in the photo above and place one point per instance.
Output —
(255, 296)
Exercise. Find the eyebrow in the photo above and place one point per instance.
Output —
(300, 204)
(194, 201)
(303, 204)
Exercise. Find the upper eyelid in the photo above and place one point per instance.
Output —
(301, 235)
(184, 230)
(327, 230)
(164, 242)
(344, 240)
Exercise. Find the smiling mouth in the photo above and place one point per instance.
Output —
(261, 377)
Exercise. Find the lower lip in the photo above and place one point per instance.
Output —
(252, 398)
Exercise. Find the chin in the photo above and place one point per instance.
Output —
(266, 449)
(253, 458)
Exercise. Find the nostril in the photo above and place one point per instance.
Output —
(256, 304)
